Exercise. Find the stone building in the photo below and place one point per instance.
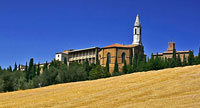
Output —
(79, 55)
(169, 52)
(82, 54)
(123, 52)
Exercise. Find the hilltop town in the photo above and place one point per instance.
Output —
(94, 63)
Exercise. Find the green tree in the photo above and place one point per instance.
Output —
(26, 72)
(98, 72)
(140, 58)
(152, 62)
(116, 68)
(65, 61)
(77, 72)
(196, 60)
(54, 63)
(86, 65)
(45, 66)
(9, 68)
(191, 58)
(32, 72)
(178, 61)
(157, 63)
(30, 64)
(184, 61)
(98, 62)
(134, 63)
(130, 68)
(166, 63)
(15, 68)
(26, 68)
(107, 65)
(8, 80)
(19, 67)
(125, 69)
(19, 80)
(0, 68)
(63, 74)
(38, 69)
(173, 64)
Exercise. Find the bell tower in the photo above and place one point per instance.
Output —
(137, 32)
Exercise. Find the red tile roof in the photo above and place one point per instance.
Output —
(120, 45)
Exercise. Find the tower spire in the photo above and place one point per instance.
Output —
(137, 21)
(137, 32)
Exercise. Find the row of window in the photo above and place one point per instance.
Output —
(122, 56)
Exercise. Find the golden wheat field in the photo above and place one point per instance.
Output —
(170, 88)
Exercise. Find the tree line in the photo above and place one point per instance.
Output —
(57, 72)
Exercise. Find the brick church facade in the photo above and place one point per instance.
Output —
(122, 52)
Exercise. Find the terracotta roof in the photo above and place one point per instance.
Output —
(170, 52)
(120, 45)
(177, 52)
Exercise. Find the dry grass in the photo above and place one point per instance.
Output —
(177, 87)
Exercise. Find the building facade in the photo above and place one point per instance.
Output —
(169, 52)
(79, 56)
(123, 53)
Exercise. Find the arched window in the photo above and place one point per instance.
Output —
(109, 58)
(123, 57)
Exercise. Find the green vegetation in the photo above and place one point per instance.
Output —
(57, 72)
(116, 69)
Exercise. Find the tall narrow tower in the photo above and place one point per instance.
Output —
(137, 32)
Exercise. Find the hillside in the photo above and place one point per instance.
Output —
(177, 87)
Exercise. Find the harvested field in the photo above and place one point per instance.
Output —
(174, 88)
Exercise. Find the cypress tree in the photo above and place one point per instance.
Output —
(199, 57)
(174, 58)
(184, 61)
(87, 69)
(151, 62)
(107, 65)
(156, 62)
(0, 68)
(38, 69)
(178, 60)
(191, 58)
(116, 69)
(19, 67)
(140, 58)
(9, 68)
(65, 61)
(196, 60)
(34, 70)
(125, 70)
(30, 64)
(98, 62)
(30, 72)
(165, 63)
(134, 63)
(26, 68)
(45, 66)
(26, 72)
(15, 68)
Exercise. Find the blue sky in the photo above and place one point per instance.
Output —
(40, 28)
